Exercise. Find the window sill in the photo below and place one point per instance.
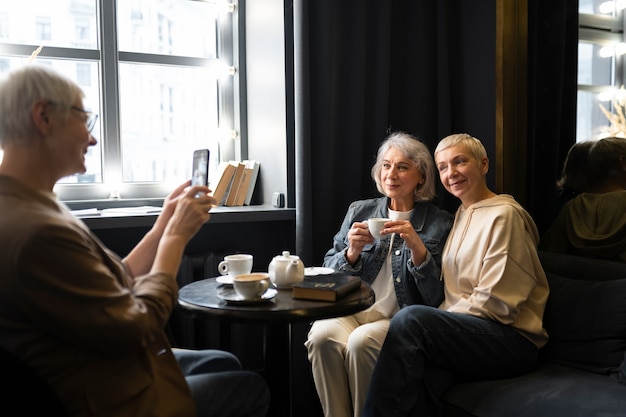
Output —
(258, 213)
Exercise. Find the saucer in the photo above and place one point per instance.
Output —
(317, 270)
(225, 279)
(230, 295)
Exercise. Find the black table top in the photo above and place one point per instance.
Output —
(202, 297)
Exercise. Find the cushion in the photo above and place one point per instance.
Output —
(550, 391)
(579, 267)
(586, 323)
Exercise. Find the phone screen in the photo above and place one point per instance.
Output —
(200, 170)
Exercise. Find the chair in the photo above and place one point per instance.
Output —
(26, 392)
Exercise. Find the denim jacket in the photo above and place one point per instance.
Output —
(413, 284)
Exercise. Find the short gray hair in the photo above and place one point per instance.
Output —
(412, 148)
(22, 88)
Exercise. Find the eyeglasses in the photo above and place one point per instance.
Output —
(92, 117)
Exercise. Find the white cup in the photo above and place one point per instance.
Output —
(233, 265)
(251, 286)
(375, 225)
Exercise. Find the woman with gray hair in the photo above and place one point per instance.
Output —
(402, 266)
(88, 322)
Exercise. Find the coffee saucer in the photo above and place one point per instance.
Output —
(317, 270)
(230, 295)
(225, 280)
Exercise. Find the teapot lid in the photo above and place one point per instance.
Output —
(287, 256)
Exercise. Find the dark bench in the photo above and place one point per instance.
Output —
(582, 370)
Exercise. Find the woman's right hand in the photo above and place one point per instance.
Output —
(358, 236)
(191, 212)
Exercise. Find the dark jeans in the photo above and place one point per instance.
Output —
(427, 349)
(219, 387)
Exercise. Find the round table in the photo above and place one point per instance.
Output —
(276, 315)
(202, 297)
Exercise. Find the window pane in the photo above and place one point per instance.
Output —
(600, 65)
(585, 6)
(159, 95)
(168, 27)
(87, 76)
(592, 68)
(166, 113)
(590, 121)
(60, 23)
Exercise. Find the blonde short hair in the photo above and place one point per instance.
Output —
(475, 146)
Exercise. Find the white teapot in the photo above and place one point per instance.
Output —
(286, 270)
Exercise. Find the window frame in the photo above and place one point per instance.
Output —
(108, 58)
(603, 30)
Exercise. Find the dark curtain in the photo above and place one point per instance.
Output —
(552, 79)
(363, 69)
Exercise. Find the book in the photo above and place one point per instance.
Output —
(326, 287)
(223, 178)
(242, 190)
(254, 173)
(234, 186)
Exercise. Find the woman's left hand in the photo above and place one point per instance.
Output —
(170, 202)
(406, 231)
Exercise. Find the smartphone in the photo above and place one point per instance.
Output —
(200, 170)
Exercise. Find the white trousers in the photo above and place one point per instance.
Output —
(343, 352)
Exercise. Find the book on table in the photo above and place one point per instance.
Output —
(326, 287)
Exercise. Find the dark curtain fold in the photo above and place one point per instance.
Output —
(552, 84)
(364, 69)
(427, 67)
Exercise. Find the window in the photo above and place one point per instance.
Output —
(158, 72)
(83, 74)
(601, 47)
(4, 25)
(43, 28)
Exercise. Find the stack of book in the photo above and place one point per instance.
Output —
(234, 182)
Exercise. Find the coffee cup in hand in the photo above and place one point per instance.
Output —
(233, 265)
(251, 286)
(375, 225)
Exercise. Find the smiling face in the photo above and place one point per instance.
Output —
(399, 177)
(462, 174)
(71, 140)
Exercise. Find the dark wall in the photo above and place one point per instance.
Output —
(368, 68)
(264, 239)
